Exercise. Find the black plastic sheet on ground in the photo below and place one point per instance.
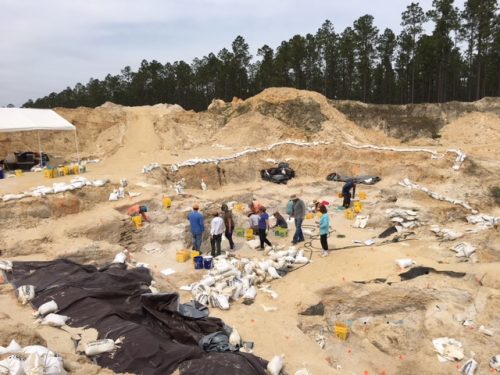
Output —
(367, 180)
(159, 337)
(280, 175)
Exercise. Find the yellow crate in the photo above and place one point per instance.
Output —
(358, 207)
(340, 195)
(19, 172)
(341, 331)
(182, 256)
(362, 195)
(194, 254)
(309, 216)
(239, 207)
(76, 169)
(48, 173)
(66, 170)
(349, 214)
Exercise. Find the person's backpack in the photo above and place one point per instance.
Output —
(289, 207)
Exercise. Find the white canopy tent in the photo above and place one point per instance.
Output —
(28, 119)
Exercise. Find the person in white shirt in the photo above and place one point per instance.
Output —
(253, 222)
(217, 228)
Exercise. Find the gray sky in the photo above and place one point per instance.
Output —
(48, 45)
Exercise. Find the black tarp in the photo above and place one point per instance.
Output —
(280, 175)
(117, 302)
(367, 180)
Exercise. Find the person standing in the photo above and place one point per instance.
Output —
(217, 227)
(346, 193)
(298, 213)
(263, 227)
(253, 222)
(324, 229)
(229, 224)
(197, 222)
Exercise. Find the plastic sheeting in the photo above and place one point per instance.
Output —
(158, 337)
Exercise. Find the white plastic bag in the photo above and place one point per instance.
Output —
(44, 365)
(406, 262)
(6, 265)
(235, 338)
(47, 308)
(25, 293)
(276, 364)
(11, 366)
(12, 348)
(273, 273)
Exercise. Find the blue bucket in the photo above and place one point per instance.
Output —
(198, 263)
(208, 262)
(1, 174)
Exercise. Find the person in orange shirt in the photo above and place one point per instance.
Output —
(139, 210)
(255, 207)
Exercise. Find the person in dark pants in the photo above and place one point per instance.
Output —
(216, 230)
(229, 224)
(197, 226)
(324, 229)
(280, 221)
(346, 192)
(298, 213)
(263, 227)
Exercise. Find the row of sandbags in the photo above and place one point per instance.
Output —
(57, 187)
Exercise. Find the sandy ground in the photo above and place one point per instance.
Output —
(86, 227)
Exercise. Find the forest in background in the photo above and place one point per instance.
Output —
(458, 60)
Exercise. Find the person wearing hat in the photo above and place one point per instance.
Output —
(137, 210)
(298, 213)
(197, 222)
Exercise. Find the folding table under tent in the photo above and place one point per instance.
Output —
(29, 119)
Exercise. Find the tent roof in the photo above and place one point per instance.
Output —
(26, 119)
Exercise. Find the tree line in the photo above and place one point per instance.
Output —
(458, 60)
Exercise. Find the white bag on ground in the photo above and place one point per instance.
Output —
(235, 338)
(47, 308)
(6, 265)
(25, 293)
(276, 364)
(101, 346)
(55, 320)
(12, 348)
(403, 263)
(43, 365)
(250, 294)
(38, 349)
(11, 366)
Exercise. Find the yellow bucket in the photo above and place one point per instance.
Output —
(341, 331)
(66, 170)
(137, 221)
(194, 254)
(239, 207)
(318, 215)
(167, 202)
(76, 169)
(49, 173)
(349, 214)
(249, 234)
(362, 195)
(309, 216)
(19, 172)
(340, 195)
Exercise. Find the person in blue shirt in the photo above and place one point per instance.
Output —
(263, 227)
(346, 192)
(324, 229)
(197, 226)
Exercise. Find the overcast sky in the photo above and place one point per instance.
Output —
(47, 45)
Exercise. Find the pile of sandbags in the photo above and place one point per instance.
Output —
(233, 279)
(445, 234)
(403, 218)
(30, 360)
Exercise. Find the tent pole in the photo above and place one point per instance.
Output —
(77, 151)
(40, 148)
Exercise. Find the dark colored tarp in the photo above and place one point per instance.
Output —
(367, 180)
(420, 271)
(117, 302)
(280, 175)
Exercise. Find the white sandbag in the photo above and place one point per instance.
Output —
(12, 197)
(250, 293)
(59, 187)
(222, 302)
(253, 244)
(121, 257)
(25, 293)
(43, 365)
(12, 348)
(39, 350)
(113, 196)
(208, 281)
(276, 364)
(55, 320)
(11, 366)
(99, 346)
(495, 362)
(406, 262)
(469, 367)
(264, 265)
(47, 308)
(273, 273)
(292, 251)
(301, 260)
(99, 183)
(235, 338)
(302, 371)
(6, 265)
